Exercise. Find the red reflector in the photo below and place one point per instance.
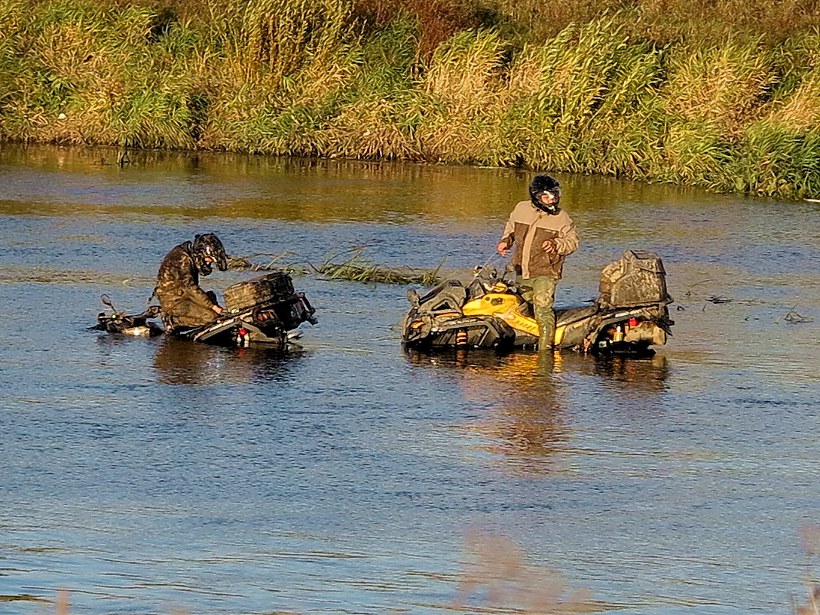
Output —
(633, 322)
(242, 332)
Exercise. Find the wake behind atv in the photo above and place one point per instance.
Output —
(261, 311)
(629, 316)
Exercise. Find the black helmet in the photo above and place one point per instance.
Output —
(207, 249)
(543, 184)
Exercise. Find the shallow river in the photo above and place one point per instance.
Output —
(158, 476)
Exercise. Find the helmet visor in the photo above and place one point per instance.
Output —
(549, 197)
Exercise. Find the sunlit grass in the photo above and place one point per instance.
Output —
(632, 90)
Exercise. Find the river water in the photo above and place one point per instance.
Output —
(159, 476)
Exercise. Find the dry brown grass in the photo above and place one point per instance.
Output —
(668, 21)
(724, 86)
(499, 579)
(810, 537)
(437, 20)
(458, 81)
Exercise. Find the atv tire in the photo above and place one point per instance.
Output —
(270, 288)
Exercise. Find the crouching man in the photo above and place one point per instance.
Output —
(183, 303)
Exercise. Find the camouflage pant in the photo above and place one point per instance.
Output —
(540, 292)
(187, 314)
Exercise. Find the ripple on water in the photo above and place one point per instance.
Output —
(160, 476)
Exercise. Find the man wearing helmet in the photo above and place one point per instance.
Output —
(543, 235)
(183, 303)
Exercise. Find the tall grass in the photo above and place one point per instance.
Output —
(635, 89)
(462, 87)
(593, 109)
(85, 74)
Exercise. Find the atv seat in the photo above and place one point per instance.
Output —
(570, 315)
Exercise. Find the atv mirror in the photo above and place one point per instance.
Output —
(106, 301)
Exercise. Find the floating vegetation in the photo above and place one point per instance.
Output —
(347, 264)
(793, 318)
(358, 269)
(21, 598)
(719, 299)
(275, 262)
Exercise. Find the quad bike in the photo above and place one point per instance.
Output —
(629, 315)
(262, 311)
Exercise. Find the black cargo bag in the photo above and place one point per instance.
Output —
(270, 288)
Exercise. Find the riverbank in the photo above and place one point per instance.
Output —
(634, 92)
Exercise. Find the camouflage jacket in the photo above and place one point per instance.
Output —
(178, 280)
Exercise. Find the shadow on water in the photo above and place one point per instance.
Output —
(649, 374)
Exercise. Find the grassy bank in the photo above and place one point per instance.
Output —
(723, 95)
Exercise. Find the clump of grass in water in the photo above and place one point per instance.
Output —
(275, 262)
(358, 269)
(355, 268)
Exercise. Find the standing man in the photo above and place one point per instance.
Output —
(543, 235)
(183, 303)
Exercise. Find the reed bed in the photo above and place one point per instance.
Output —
(631, 89)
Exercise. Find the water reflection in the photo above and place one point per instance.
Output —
(523, 397)
(183, 362)
(663, 468)
(529, 422)
(649, 375)
(525, 403)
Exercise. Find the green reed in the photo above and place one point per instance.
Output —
(622, 89)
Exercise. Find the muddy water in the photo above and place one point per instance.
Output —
(152, 476)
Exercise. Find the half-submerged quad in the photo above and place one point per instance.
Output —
(263, 311)
(629, 316)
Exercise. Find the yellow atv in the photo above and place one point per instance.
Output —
(629, 316)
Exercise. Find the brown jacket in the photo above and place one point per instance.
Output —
(526, 231)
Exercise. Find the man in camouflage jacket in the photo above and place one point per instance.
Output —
(183, 303)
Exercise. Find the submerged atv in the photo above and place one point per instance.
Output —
(262, 311)
(629, 316)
